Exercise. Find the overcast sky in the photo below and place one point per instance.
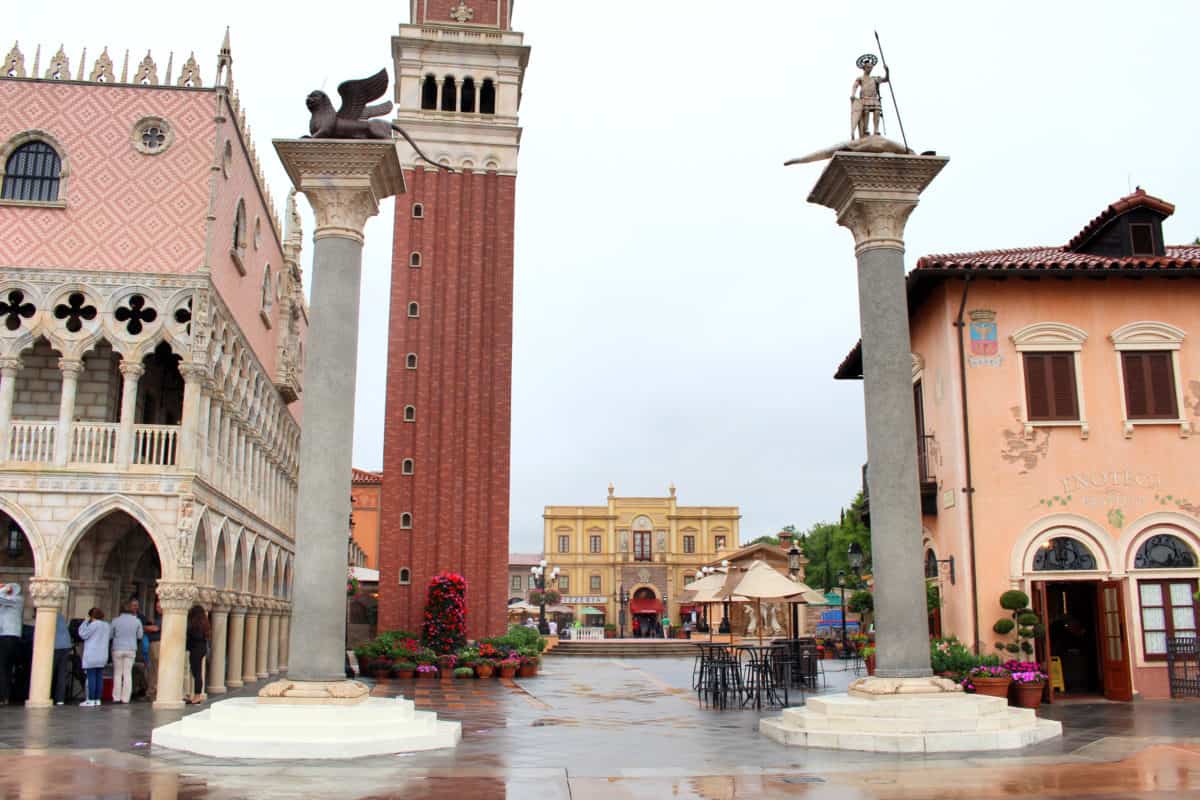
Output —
(680, 309)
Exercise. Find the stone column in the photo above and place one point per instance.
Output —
(48, 596)
(873, 195)
(131, 372)
(193, 381)
(250, 646)
(176, 599)
(202, 426)
(237, 631)
(273, 645)
(344, 182)
(219, 619)
(264, 638)
(70, 367)
(9, 366)
(284, 637)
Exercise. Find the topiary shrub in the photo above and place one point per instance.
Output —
(1014, 600)
(445, 627)
(1004, 626)
(1023, 621)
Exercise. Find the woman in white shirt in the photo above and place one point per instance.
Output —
(95, 633)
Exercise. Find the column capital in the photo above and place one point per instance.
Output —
(70, 366)
(132, 369)
(193, 372)
(343, 180)
(874, 193)
(48, 592)
(177, 595)
(10, 365)
(207, 596)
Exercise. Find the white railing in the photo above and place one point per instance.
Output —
(94, 442)
(154, 445)
(32, 441)
(586, 634)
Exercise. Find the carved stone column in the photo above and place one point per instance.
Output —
(193, 381)
(237, 633)
(873, 194)
(264, 638)
(49, 595)
(219, 619)
(250, 645)
(176, 599)
(9, 367)
(285, 637)
(344, 182)
(131, 373)
(70, 368)
(273, 644)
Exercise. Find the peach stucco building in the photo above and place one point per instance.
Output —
(1058, 396)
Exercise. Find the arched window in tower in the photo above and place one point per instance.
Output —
(467, 104)
(414, 259)
(406, 520)
(414, 310)
(418, 211)
(429, 92)
(405, 576)
(406, 467)
(410, 361)
(487, 97)
(449, 94)
(32, 174)
(410, 413)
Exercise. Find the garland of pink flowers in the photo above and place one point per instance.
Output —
(445, 627)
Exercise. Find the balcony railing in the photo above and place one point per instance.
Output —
(925, 466)
(926, 478)
(90, 443)
(154, 445)
(95, 442)
(32, 441)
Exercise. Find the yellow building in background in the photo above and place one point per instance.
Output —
(650, 548)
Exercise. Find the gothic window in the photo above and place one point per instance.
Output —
(487, 97)
(406, 520)
(414, 310)
(14, 309)
(1164, 551)
(32, 173)
(405, 576)
(238, 245)
(410, 361)
(467, 105)
(268, 292)
(152, 135)
(414, 259)
(410, 413)
(76, 311)
(406, 467)
(931, 565)
(429, 93)
(449, 94)
(418, 211)
(183, 316)
(135, 314)
(1063, 553)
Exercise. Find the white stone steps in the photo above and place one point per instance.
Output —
(959, 741)
(806, 720)
(952, 705)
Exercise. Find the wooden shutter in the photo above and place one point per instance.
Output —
(1037, 393)
(1062, 386)
(1149, 385)
(1162, 384)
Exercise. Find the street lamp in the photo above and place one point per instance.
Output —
(724, 627)
(842, 584)
(539, 577)
(794, 573)
(623, 597)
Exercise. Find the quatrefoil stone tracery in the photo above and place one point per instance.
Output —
(183, 316)
(14, 309)
(136, 314)
(75, 311)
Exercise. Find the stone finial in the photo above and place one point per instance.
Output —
(671, 488)
(60, 67)
(611, 489)
(224, 63)
(189, 73)
(170, 66)
(125, 68)
(147, 72)
(82, 61)
(14, 62)
(37, 59)
(102, 72)
(293, 232)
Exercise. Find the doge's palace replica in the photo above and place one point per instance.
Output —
(152, 321)
(873, 184)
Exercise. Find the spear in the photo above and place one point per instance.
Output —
(890, 89)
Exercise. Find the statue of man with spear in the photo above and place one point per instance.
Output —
(866, 106)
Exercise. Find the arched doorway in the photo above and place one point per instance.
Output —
(645, 610)
(115, 560)
(17, 566)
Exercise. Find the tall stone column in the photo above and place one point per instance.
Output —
(264, 638)
(219, 620)
(193, 382)
(284, 637)
(237, 632)
(202, 427)
(873, 195)
(344, 182)
(48, 595)
(176, 599)
(131, 373)
(9, 366)
(250, 645)
(70, 368)
(273, 644)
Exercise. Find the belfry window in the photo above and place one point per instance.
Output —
(414, 310)
(410, 413)
(449, 94)
(410, 361)
(487, 97)
(418, 211)
(429, 93)
(32, 173)
(414, 259)
(406, 520)
(407, 467)
(405, 576)
(467, 104)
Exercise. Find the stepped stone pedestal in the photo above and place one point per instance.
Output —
(909, 715)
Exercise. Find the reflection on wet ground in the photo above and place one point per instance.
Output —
(602, 728)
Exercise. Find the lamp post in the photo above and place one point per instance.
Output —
(623, 598)
(794, 574)
(539, 576)
(842, 592)
(724, 627)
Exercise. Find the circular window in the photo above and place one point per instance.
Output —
(152, 135)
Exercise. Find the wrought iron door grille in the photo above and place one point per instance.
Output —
(1183, 666)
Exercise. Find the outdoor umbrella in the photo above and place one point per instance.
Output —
(762, 582)
(709, 589)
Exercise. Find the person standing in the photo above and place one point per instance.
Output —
(12, 606)
(126, 630)
(153, 629)
(197, 649)
(96, 634)
(62, 659)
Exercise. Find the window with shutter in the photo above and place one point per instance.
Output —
(1050, 390)
(1149, 384)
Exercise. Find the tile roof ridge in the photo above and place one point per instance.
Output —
(1135, 199)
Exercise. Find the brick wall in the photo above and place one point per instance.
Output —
(39, 385)
(458, 494)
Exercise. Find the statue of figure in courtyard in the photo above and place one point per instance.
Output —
(867, 104)
(773, 625)
(355, 119)
(751, 620)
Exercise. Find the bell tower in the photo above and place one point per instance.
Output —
(459, 68)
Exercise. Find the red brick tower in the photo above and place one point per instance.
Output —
(459, 68)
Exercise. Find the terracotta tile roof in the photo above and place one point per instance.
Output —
(524, 559)
(1057, 259)
(361, 476)
(1139, 198)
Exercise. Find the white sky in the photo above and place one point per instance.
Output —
(680, 309)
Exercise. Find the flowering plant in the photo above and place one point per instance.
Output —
(351, 583)
(445, 626)
(987, 671)
(950, 655)
(447, 661)
(488, 651)
(1027, 672)
(425, 669)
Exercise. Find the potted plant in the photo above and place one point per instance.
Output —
(1028, 683)
(610, 631)
(509, 666)
(380, 668)
(464, 672)
(426, 671)
(950, 658)
(446, 664)
(484, 667)
(1022, 621)
(403, 669)
(989, 678)
(528, 664)
(868, 654)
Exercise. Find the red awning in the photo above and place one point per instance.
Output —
(645, 605)
(688, 608)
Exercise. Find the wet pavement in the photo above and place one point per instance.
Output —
(603, 728)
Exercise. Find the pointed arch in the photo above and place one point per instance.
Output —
(37, 544)
(78, 527)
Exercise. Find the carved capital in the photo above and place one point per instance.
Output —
(876, 223)
(48, 592)
(177, 595)
(227, 600)
(70, 366)
(193, 372)
(132, 369)
(207, 596)
(342, 211)
(10, 365)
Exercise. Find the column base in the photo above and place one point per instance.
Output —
(168, 705)
(39, 703)
(232, 684)
(262, 676)
(248, 679)
(217, 690)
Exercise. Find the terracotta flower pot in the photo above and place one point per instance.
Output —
(992, 687)
(870, 664)
(404, 674)
(610, 634)
(381, 674)
(527, 671)
(426, 675)
(508, 672)
(484, 671)
(1027, 695)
